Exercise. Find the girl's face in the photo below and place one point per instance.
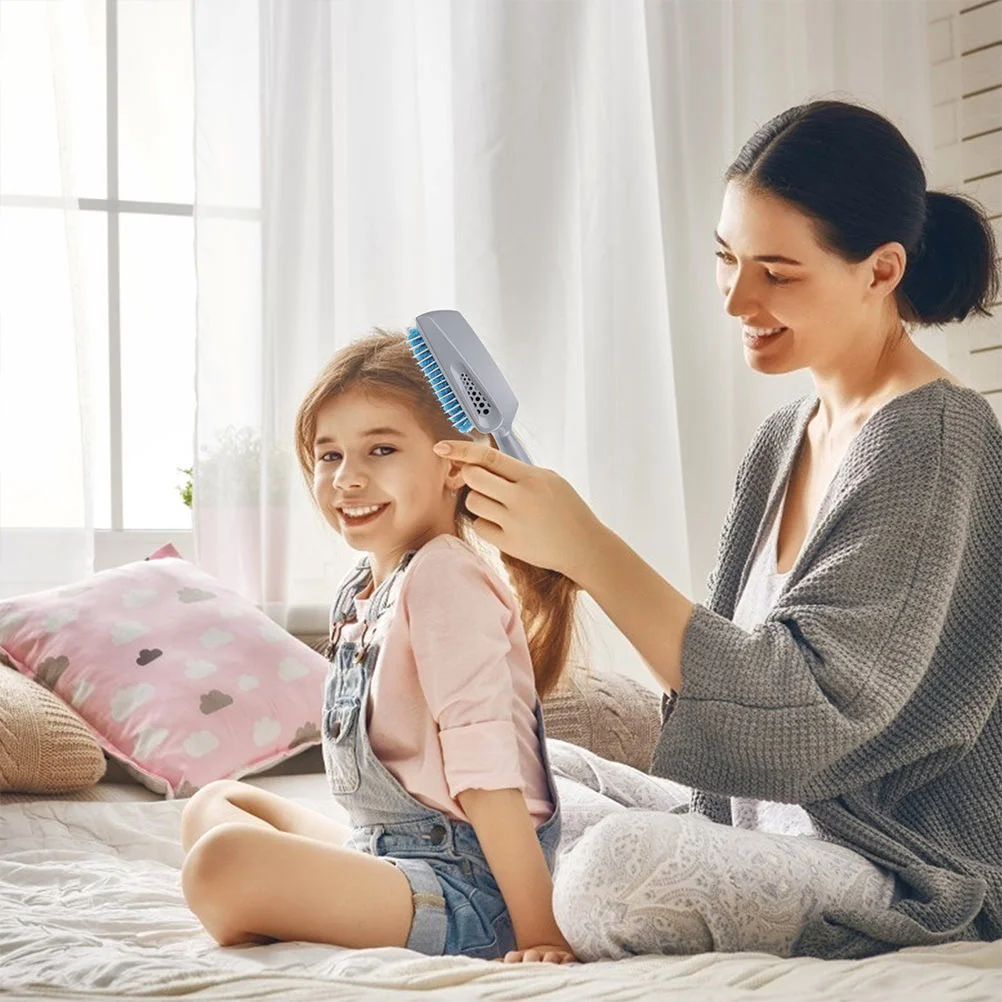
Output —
(376, 480)
(799, 304)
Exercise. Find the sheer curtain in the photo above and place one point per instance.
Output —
(53, 298)
(550, 169)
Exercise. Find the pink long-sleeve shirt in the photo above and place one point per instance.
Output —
(452, 699)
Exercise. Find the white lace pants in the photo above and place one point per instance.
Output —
(633, 878)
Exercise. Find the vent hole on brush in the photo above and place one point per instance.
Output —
(479, 401)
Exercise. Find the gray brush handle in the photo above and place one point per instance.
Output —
(509, 444)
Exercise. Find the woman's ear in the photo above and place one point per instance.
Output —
(887, 268)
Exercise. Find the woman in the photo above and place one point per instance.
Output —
(834, 704)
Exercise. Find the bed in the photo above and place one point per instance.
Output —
(91, 907)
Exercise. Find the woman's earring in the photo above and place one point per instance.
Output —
(452, 493)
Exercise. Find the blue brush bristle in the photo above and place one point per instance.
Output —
(454, 410)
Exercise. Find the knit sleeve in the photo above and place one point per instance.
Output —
(772, 713)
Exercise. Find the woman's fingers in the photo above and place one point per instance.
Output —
(483, 455)
(485, 508)
(528, 512)
(490, 485)
(490, 533)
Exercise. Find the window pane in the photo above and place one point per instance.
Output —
(155, 101)
(158, 367)
(230, 87)
(53, 367)
(52, 98)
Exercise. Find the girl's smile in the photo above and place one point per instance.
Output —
(377, 481)
(354, 516)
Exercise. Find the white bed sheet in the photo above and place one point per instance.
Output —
(91, 907)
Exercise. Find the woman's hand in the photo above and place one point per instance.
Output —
(547, 954)
(525, 511)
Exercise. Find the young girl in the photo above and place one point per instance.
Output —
(433, 737)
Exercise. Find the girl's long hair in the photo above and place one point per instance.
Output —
(381, 363)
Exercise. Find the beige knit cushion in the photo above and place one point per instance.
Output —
(605, 712)
(44, 746)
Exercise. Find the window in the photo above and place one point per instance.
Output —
(96, 104)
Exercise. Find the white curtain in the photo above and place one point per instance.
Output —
(53, 299)
(550, 169)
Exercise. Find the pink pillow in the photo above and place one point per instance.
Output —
(179, 678)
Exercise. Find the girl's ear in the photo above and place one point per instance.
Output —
(454, 478)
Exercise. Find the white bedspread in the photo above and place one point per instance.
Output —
(91, 907)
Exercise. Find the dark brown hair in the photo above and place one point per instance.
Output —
(853, 173)
(382, 363)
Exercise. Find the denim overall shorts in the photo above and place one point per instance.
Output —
(458, 907)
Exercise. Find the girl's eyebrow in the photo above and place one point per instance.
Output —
(382, 431)
(767, 258)
(371, 433)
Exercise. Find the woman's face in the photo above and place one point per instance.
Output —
(799, 304)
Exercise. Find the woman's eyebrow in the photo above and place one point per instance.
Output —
(767, 258)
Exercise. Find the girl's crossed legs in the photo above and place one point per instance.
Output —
(259, 867)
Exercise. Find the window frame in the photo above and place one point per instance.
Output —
(115, 545)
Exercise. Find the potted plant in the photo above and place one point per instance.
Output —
(240, 508)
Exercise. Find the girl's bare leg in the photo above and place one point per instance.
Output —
(228, 800)
(252, 882)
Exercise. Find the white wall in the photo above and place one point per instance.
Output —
(965, 155)
(965, 50)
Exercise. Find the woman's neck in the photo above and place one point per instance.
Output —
(852, 389)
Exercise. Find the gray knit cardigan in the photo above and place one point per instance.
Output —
(870, 694)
